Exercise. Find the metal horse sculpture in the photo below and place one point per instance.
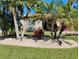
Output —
(51, 23)
(53, 27)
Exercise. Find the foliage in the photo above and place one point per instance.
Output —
(55, 7)
(74, 24)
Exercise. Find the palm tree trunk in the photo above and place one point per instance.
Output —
(23, 22)
(16, 25)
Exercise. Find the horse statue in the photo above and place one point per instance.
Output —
(53, 26)
(51, 23)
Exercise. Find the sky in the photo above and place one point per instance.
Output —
(75, 5)
(49, 1)
(64, 1)
(25, 10)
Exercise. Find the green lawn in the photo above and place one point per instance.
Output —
(15, 52)
(72, 37)
(67, 36)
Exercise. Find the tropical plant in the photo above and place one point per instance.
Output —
(63, 11)
(9, 5)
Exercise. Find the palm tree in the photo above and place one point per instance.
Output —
(10, 4)
(4, 22)
(70, 13)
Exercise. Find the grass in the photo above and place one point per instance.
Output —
(15, 52)
(67, 36)
(72, 37)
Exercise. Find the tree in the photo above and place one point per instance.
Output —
(11, 5)
(4, 24)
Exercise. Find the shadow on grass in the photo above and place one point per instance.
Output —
(27, 36)
(70, 34)
(45, 37)
(7, 36)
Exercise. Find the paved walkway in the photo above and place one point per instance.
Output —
(39, 43)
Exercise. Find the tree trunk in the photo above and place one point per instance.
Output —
(16, 25)
(23, 22)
